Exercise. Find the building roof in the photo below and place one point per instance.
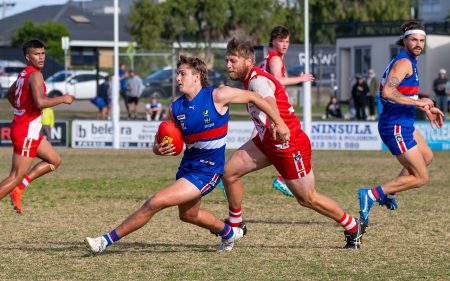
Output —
(82, 24)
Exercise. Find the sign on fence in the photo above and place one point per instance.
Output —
(58, 133)
(324, 135)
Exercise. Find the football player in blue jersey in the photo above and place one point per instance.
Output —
(201, 113)
(400, 99)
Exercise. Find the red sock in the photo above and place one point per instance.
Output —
(25, 182)
(348, 222)
(234, 217)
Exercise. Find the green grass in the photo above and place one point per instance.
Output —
(94, 190)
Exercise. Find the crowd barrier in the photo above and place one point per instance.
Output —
(325, 135)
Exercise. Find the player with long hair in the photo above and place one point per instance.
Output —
(400, 99)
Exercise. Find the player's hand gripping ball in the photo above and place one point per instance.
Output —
(168, 131)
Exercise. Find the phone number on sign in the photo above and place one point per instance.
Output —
(335, 145)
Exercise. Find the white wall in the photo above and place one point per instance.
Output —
(437, 56)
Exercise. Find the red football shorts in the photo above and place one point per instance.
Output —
(25, 145)
(292, 162)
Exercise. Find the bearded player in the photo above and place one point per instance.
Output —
(291, 159)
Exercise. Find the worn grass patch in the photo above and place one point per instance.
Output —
(94, 190)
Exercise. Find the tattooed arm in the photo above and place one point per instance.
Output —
(399, 71)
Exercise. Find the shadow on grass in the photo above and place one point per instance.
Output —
(278, 222)
(142, 248)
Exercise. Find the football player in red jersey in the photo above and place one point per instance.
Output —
(274, 64)
(28, 97)
(292, 159)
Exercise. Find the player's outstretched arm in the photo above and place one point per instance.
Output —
(36, 83)
(275, 69)
(399, 71)
(228, 95)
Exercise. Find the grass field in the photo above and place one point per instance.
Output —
(94, 190)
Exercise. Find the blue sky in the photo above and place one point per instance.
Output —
(23, 5)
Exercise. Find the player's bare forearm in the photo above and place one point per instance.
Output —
(295, 80)
(10, 94)
(391, 93)
(45, 102)
(268, 107)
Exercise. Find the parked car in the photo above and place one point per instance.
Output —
(159, 83)
(82, 84)
(9, 70)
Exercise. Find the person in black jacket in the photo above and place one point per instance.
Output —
(359, 95)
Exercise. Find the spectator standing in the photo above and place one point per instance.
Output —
(48, 122)
(134, 92)
(374, 86)
(123, 75)
(439, 90)
(104, 92)
(154, 109)
(359, 95)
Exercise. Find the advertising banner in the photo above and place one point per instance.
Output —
(99, 134)
(324, 135)
(345, 136)
(58, 133)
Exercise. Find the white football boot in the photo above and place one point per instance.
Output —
(226, 245)
(95, 245)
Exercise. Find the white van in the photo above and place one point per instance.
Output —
(82, 84)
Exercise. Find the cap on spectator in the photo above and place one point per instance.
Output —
(442, 70)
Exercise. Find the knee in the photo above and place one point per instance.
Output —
(429, 158)
(56, 162)
(423, 179)
(187, 218)
(308, 200)
(230, 175)
(154, 204)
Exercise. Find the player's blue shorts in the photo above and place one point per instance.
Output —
(205, 182)
(397, 138)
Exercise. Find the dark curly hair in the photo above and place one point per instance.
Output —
(408, 26)
(278, 32)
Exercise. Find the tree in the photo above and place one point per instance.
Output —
(324, 12)
(48, 32)
(146, 20)
(201, 21)
(207, 21)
